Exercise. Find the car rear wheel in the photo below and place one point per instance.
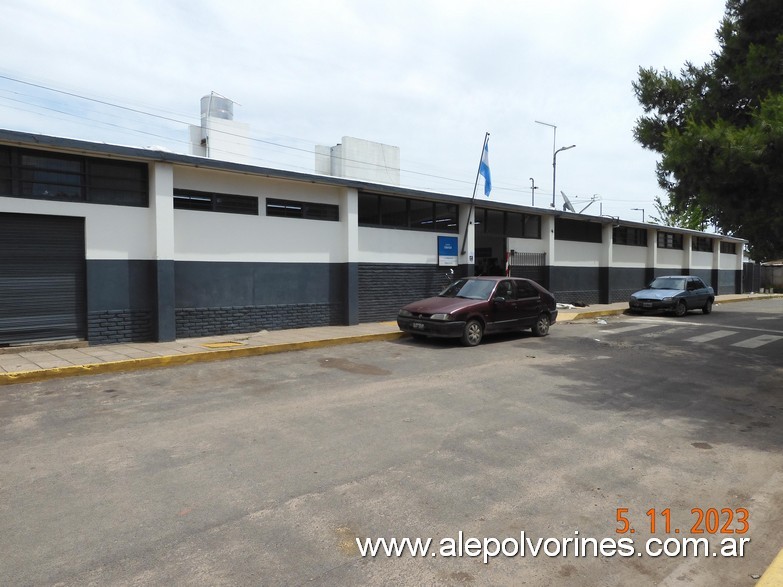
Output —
(541, 327)
(707, 307)
(473, 333)
(680, 309)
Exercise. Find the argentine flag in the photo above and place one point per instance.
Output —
(484, 169)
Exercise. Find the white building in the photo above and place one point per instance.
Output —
(111, 244)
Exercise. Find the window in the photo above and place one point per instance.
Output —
(577, 230)
(396, 212)
(306, 210)
(41, 175)
(509, 224)
(526, 290)
(212, 202)
(5, 171)
(51, 177)
(669, 240)
(728, 248)
(695, 284)
(116, 182)
(701, 243)
(627, 235)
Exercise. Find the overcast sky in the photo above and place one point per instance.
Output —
(430, 77)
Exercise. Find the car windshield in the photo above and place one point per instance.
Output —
(473, 289)
(668, 283)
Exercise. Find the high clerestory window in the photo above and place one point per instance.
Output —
(407, 213)
(630, 236)
(669, 240)
(728, 248)
(214, 202)
(42, 175)
(578, 230)
(701, 243)
(507, 224)
(306, 210)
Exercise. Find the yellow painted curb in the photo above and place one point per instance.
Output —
(185, 359)
(773, 576)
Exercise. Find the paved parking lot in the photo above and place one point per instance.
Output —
(264, 470)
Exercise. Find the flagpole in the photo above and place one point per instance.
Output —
(473, 199)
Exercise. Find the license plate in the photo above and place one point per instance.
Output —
(418, 325)
(647, 305)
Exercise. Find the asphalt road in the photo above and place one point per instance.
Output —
(263, 471)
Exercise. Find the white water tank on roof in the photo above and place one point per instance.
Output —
(216, 106)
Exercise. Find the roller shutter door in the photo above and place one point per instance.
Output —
(42, 278)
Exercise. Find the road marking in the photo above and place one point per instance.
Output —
(711, 336)
(665, 321)
(662, 332)
(629, 328)
(757, 341)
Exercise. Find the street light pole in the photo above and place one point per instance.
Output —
(554, 170)
(640, 209)
(554, 144)
(533, 188)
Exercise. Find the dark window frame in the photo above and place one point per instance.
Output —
(567, 229)
(629, 236)
(728, 248)
(702, 244)
(195, 200)
(283, 208)
(670, 240)
(47, 175)
(400, 213)
(529, 223)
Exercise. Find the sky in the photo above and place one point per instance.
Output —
(428, 76)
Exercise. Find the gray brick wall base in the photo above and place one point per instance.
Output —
(117, 326)
(241, 319)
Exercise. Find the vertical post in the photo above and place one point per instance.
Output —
(473, 199)
(554, 146)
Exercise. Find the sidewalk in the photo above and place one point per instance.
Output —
(38, 362)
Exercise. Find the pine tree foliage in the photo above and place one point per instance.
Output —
(719, 128)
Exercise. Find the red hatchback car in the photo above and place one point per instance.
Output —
(473, 306)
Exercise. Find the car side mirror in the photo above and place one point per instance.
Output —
(499, 300)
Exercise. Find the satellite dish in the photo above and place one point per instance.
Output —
(567, 207)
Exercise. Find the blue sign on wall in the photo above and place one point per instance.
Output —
(448, 255)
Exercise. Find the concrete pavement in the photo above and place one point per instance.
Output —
(37, 362)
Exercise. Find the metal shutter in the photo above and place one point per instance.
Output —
(42, 278)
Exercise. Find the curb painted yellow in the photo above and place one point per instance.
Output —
(773, 576)
(185, 359)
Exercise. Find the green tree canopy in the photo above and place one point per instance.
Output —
(719, 128)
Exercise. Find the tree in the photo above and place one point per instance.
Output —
(668, 215)
(719, 128)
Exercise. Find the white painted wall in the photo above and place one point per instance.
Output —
(701, 260)
(575, 254)
(384, 245)
(110, 232)
(629, 256)
(731, 262)
(670, 258)
(214, 236)
(248, 185)
(527, 245)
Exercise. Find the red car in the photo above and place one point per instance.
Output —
(473, 306)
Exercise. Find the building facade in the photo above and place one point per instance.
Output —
(115, 244)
